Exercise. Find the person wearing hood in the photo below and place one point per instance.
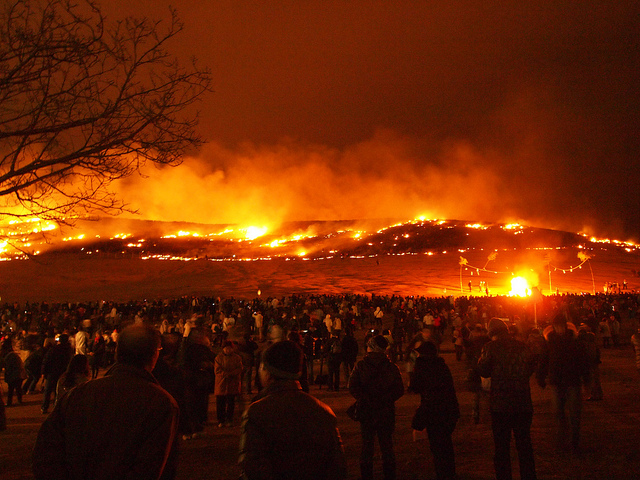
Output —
(438, 411)
(228, 374)
(509, 363)
(376, 384)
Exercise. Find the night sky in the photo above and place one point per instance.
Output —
(474, 110)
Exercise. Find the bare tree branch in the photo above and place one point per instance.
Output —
(84, 103)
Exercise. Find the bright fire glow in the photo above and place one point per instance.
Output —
(254, 232)
(520, 287)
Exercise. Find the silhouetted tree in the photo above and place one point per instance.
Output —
(84, 102)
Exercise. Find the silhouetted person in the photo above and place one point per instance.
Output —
(510, 364)
(438, 411)
(286, 433)
(376, 384)
(119, 426)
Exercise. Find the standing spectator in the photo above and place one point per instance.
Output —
(246, 349)
(304, 376)
(287, 433)
(197, 361)
(127, 434)
(477, 339)
(54, 364)
(228, 378)
(438, 411)
(308, 344)
(614, 325)
(333, 351)
(258, 321)
(76, 374)
(378, 315)
(97, 351)
(458, 342)
(509, 364)
(33, 366)
(605, 333)
(14, 372)
(588, 341)
(349, 353)
(82, 340)
(567, 367)
(376, 384)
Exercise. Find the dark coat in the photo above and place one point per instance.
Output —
(56, 360)
(288, 434)
(433, 381)
(349, 349)
(377, 384)
(566, 363)
(510, 364)
(119, 426)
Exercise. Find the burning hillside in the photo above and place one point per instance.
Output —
(120, 260)
(308, 240)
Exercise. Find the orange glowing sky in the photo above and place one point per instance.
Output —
(479, 110)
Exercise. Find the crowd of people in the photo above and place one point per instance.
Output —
(177, 353)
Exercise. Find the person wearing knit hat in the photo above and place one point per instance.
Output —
(283, 360)
(274, 439)
(376, 384)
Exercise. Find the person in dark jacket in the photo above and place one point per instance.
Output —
(438, 411)
(286, 433)
(376, 384)
(54, 364)
(509, 364)
(197, 362)
(565, 367)
(349, 353)
(33, 366)
(14, 372)
(477, 339)
(333, 350)
(119, 426)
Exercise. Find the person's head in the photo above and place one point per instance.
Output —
(559, 323)
(497, 328)
(377, 343)
(294, 337)
(139, 346)
(281, 361)
(427, 349)
(79, 365)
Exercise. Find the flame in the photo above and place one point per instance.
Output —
(254, 232)
(520, 287)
